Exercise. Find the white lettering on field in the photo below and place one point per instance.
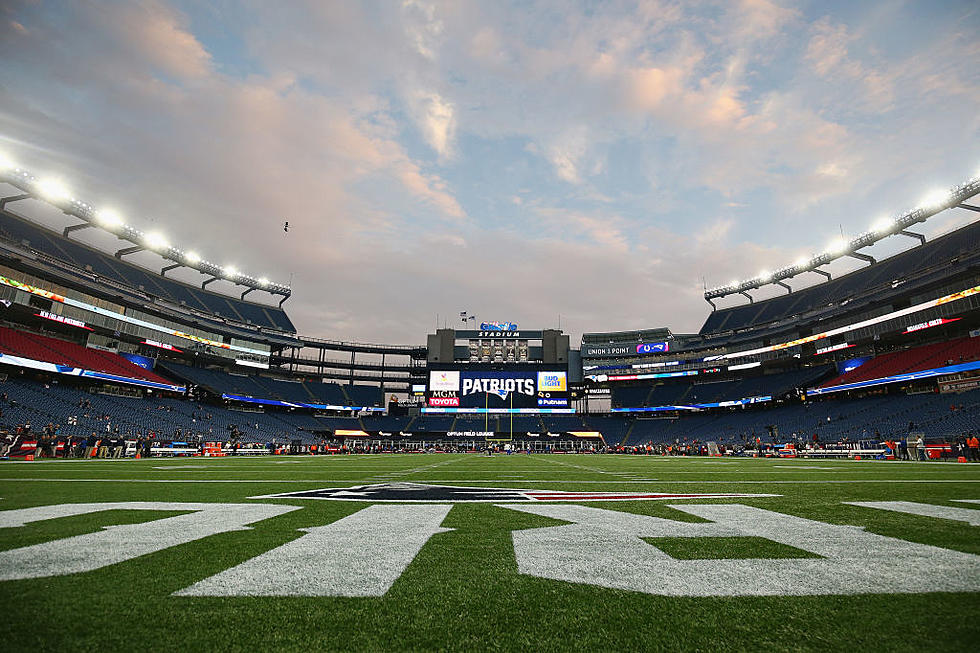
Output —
(969, 515)
(604, 548)
(115, 544)
(360, 555)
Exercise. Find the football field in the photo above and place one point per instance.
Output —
(465, 552)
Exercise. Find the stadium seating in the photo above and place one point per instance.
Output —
(52, 350)
(889, 416)
(78, 412)
(105, 266)
(681, 393)
(916, 359)
(263, 387)
(863, 282)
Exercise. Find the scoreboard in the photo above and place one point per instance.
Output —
(471, 390)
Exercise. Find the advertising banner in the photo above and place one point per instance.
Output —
(445, 381)
(495, 389)
(625, 349)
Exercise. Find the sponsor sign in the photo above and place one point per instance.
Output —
(498, 326)
(552, 382)
(551, 401)
(418, 389)
(626, 349)
(837, 347)
(597, 351)
(444, 381)
(64, 320)
(444, 401)
(162, 345)
(939, 321)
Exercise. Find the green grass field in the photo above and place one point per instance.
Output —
(463, 589)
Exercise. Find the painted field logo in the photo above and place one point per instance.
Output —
(422, 493)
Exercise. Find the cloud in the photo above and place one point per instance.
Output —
(161, 36)
(422, 26)
(430, 153)
(437, 119)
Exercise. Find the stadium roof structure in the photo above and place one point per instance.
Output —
(57, 195)
(933, 204)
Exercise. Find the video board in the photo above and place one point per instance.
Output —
(495, 390)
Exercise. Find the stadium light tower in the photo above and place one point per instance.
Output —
(53, 190)
(57, 194)
(109, 219)
(933, 203)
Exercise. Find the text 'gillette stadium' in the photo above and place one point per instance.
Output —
(114, 333)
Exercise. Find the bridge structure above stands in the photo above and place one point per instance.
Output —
(394, 367)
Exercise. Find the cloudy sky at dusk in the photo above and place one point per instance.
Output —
(516, 160)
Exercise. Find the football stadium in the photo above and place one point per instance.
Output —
(182, 468)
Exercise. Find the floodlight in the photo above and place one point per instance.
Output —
(934, 199)
(882, 225)
(53, 190)
(837, 246)
(155, 240)
(263, 281)
(109, 219)
(230, 271)
(6, 163)
(733, 282)
(801, 262)
(765, 275)
(192, 257)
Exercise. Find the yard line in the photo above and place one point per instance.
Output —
(321, 481)
(591, 469)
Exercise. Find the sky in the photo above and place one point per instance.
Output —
(593, 163)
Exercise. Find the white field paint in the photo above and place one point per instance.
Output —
(969, 515)
(582, 481)
(851, 564)
(966, 500)
(360, 555)
(116, 544)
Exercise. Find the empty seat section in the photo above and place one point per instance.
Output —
(52, 350)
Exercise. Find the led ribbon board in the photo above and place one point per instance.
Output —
(68, 301)
(55, 368)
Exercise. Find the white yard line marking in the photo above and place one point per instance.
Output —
(484, 480)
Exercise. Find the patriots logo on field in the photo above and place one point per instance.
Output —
(422, 493)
